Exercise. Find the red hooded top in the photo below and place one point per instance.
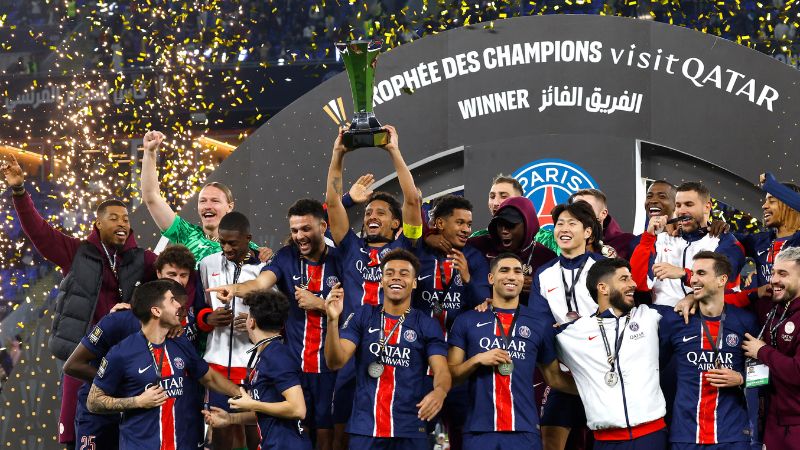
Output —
(531, 252)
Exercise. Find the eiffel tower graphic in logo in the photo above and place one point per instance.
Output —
(335, 110)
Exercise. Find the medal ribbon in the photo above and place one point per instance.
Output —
(773, 330)
(384, 337)
(715, 345)
(506, 336)
(569, 292)
(153, 354)
(250, 364)
(613, 357)
(444, 282)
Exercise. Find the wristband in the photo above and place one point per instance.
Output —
(18, 190)
(412, 231)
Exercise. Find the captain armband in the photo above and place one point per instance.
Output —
(412, 231)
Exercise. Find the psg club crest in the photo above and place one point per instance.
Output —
(524, 331)
(384, 252)
(331, 281)
(732, 340)
(789, 327)
(548, 182)
(178, 362)
(410, 335)
(634, 326)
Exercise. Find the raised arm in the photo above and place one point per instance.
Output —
(159, 209)
(52, 244)
(411, 198)
(264, 281)
(337, 215)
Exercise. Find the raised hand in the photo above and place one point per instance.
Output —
(152, 141)
(460, 264)
(393, 144)
(12, 172)
(334, 304)
(361, 189)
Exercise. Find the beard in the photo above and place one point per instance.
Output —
(617, 300)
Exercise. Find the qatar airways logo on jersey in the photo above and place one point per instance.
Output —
(515, 348)
(392, 355)
(173, 386)
(449, 300)
(368, 273)
(704, 361)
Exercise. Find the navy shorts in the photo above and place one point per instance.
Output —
(318, 392)
(502, 441)
(725, 446)
(343, 400)
(562, 410)
(361, 442)
(94, 430)
(652, 441)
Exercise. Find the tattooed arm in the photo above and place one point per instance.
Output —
(337, 215)
(99, 402)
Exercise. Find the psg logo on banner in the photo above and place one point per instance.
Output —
(548, 182)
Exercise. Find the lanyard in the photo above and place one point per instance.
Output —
(255, 353)
(506, 336)
(153, 354)
(613, 357)
(569, 291)
(112, 261)
(384, 337)
(443, 277)
(773, 330)
(716, 345)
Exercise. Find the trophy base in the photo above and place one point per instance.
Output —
(371, 137)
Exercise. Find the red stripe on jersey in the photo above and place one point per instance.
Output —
(371, 288)
(384, 394)
(773, 252)
(167, 410)
(442, 268)
(709, 395)
(503, 398)
(312, 331)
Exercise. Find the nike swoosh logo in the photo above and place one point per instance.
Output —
(688, 338)
(145, 369)
(372, 330)
(214, 274)
(483, 323)
(592, 337)
(366, 252)
(762, 252)
(420, 278)
(551, 290)
(295, 277)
